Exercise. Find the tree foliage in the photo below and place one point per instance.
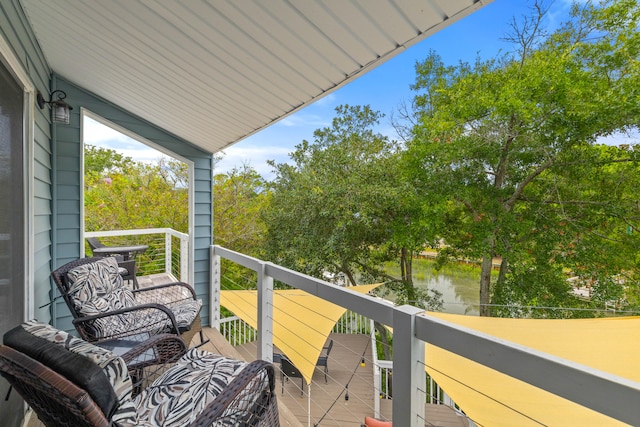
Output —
(502, 152)
(121, 193)
(336, 209)
(240, 196)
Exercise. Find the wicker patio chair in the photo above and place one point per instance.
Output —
(103, 308)
(69, 382)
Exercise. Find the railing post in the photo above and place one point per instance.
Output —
(167, 253)
(265, 315)
(409, 379)
(184, 259)
(214, 304)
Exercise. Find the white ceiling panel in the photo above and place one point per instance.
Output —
(226, 68)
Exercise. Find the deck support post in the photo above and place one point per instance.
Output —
(265, 314)
(409, 379)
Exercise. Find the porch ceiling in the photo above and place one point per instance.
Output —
(215, 72)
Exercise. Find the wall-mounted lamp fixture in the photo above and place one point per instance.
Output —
(59, 108)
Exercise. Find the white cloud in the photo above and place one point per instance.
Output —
(96, 133)
(330, 99)
(304, 120)
(254, 156)
(102, 136)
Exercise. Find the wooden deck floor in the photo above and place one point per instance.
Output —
(328, 406)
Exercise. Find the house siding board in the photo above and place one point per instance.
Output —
(42, 189)
(18, 34)
(202, 185)
(41, 133)
(203, 207)
(42, 207)
(68, 176)
(65, 148)
(67, 241)
(43, 159)
(203, 174)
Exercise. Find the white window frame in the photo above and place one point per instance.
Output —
(8, 58)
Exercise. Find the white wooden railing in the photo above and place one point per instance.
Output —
(608, 394)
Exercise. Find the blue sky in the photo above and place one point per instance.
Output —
(383, 88)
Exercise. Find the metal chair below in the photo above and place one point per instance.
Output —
(323, 360)
(288, 370)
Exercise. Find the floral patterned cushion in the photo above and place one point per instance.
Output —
(185, 311)
(103, 374)
(97, 288)
(178, 396)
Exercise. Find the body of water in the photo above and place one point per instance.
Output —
(460, 290)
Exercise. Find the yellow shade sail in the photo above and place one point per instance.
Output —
(493, 399)
(301, 322)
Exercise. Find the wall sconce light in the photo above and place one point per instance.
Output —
(59, 108)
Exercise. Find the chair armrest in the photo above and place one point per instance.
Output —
(167, 348)
(245, 401)
(84, 324)
(180, 285)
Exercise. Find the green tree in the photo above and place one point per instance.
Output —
(240, 196)
(336, 209)
(124, 194)
(99, 162)
(499, 144)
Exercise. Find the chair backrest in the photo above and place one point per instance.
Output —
(94, 243)
(85, 280)
(55, 399)
(67, 381)
(289, 368)
(329, 348)
(61, 280)
(92, 286)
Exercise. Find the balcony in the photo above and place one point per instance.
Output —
(607, 394)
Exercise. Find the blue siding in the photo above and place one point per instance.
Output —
(67, 180)
(16, 31)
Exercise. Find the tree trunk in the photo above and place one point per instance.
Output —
(485, 285)
(406, 266)
(350, 278)
(504, 264)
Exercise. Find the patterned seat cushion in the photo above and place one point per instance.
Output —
(97, 287)
(100, 372)
(178, 396)
(185, 311)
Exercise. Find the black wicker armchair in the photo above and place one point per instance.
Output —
(69, 382)
(104, 309)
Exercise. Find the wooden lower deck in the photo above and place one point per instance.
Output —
(327, 405)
